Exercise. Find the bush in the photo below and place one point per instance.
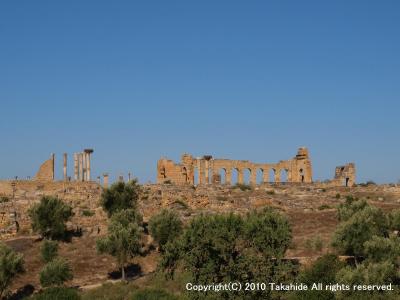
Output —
(55, 273)
(49, 217)
(165, 227)
(123, 237)
(314, 244)
(228, 247)
(87, 213)
(120, 196)
(337, 196)
(4, 199)
(49, 250)
(243, 187)
(352, 205)
(11, 264)
(153, 294)
(324, 206)
(350, 236)
(57, 293)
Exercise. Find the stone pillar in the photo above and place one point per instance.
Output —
(76, 166)
(240, 176)
(84, 166)
(265, 175)
(53, 158)
(105, 180)
(206, 168)
(253, 176)
(201, 171)
(88, 153)
(129, 176)
(80, 166)
(228, 176)
(121, 178)
(277, 176)
(65, 167)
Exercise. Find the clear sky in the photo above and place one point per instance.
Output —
(137, 80)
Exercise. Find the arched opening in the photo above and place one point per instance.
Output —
(301, 175)
(260, 176)
(271, 175)
(283, 175)
(196, 176)
(222, 176)
(235, 176)
(347, 181)
(246, 176)
(163, 173)
(185, 174)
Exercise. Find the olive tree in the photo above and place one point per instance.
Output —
(11, 264)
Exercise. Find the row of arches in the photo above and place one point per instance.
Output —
(246, 176)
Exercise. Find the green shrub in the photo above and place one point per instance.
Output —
(57, 293)
(165, 227)
(337, 196)
(55, 273)
(181, 203)
(153, 294)
(49, 217)
(4, 199)
(243, 186)
(11, 264)
(120, 196)
(324, 206)
(314, 244)
(87, 213)
(49, 250)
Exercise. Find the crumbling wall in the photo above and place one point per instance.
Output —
(345, 175)
(46, 170)
(20, 195)
(209, 170)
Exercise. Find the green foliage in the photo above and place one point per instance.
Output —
(323, 271)
(347, 209)
(243, 186)
(120, 196)
(379, 249)
(58, 293)
(49, 250)
(55, 273)
(123, 237)
(4, 199)
(181, 203)
(228, 247)
(324, 206)
(153, 294)
(337, 196)
(48, 217)
(87, 213)
(165, 227)
(350, 236)
(268, 231)
(314, 244)
(394, 219)
(11, 264)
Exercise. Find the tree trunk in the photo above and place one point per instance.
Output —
(123, 272)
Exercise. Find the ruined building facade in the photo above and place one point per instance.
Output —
(208, 170)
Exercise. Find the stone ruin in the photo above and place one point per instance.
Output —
(209, 170)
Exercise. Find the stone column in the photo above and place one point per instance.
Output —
(105, 180)
(206, 167)
(228, 176)
(88, 153)
(265, 175)
(80, 166)
(240, 176)
(84, 166)
(253, 176)
(200, 170)
(65, 167)
(76, 167)
(277, 176)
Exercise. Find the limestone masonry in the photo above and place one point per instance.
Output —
(209, 170)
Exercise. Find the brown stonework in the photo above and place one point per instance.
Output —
(46, 170)
(345, 175)
(208, 169)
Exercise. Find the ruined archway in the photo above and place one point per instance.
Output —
(246, 175)
(283, 175)
(222, 176)
(196, 176)
(260, 176)
(301, 175)
(272, 177)
(185, 174)
(235, 176)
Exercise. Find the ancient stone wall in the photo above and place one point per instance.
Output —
(19, 195)
(210, 170)
(345, 175)
(46, 170)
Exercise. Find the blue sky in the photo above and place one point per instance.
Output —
(137, 80)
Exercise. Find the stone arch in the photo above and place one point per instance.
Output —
(301, 175)
(246, 175)
(222, 175)
(283, 175)
(196, 176)
(259, 176)
(185, 174)
(234, 176)
(272, 177)
(163, 173)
